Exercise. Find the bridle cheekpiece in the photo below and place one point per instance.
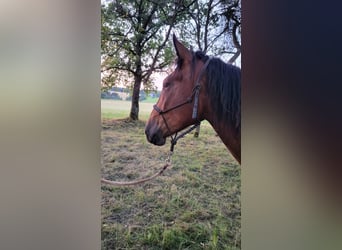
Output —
(194, 95)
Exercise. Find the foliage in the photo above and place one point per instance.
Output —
(135, 34)
(107, 95)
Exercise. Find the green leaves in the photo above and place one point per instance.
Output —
(133, 34)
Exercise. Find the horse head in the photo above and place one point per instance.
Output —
(181, 103)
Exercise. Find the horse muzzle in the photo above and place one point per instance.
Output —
(154, 134)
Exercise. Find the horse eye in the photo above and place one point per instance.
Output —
(166, 84)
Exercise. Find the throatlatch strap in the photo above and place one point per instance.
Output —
(195, 108)
(197, 88)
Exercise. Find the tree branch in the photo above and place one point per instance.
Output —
(122, 68)
(235, 39)
(235, 56)
(206, 26)
(162, 45)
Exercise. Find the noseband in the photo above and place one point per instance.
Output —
(195, 93)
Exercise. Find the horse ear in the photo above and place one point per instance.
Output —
(181, 50)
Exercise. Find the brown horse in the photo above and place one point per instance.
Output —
(199, 88)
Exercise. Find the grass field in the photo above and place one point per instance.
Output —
(195, 204)
(115, 109)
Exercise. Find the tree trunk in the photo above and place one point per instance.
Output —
(134, 114)
(236, 43)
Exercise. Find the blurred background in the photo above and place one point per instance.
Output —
(50, 92)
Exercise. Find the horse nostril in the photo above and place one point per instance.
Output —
(155, 139)
(151, 137)
(154, 135)
(148, 137)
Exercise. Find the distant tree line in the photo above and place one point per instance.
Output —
(113, 94)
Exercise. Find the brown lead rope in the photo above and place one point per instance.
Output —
(130, 183)
(168, 163)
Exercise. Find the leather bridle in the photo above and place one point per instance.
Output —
(194, 95)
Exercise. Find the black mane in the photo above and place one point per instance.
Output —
(223, 87)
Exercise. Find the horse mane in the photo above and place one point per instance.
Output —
(223, 87)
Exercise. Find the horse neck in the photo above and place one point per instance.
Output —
(229, 134)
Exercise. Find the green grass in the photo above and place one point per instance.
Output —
(115, 109)
(150, 100)
(195, 204)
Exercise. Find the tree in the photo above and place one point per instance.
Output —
(231, 11)
(214, 26)
(202, 27)
(134, 41)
